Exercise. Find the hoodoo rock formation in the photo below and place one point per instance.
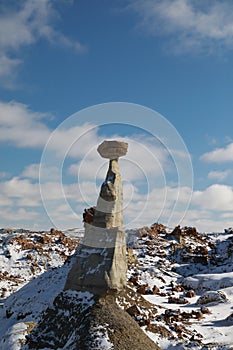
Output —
(101, 263)
(86, 315)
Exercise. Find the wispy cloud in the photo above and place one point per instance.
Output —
(8, 67)
(218, 175)
(24, 25)
(189, 25)
(5, 201)
(219, 155)
(20, 214)
(32, 171)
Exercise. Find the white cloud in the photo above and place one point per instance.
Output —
(190, 24)
(8, 67)
(209, 210)
(20, 214)
(209, 224)
(217, 197)
(29, 21)
(90, 167)
(167, 205)
(139, 208)
(31, 171)
(5, 201)
(227, 215)
(75, 141)
(18, 188)
(144, 160)
(207, 220)
(21, 126)
(28, 202)
(25, 190)
(219, 155)
(87, 193)
(57, 38)
(218, 175)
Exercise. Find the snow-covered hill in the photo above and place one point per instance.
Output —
(180, 284)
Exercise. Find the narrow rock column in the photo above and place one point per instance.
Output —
(101, 262)
(108, 211)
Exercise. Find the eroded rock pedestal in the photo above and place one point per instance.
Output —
(101, 263)
(81, 320)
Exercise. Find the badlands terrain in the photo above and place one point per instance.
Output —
(179, 288)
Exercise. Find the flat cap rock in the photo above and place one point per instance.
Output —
(112, 149)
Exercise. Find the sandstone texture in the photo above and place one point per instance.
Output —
(99, 270)
(101, 261)
(108, 211)
(112, 149)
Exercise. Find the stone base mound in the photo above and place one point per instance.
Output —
(77, 321)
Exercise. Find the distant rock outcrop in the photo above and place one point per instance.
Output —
(215, 297)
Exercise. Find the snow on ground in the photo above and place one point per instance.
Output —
(32, 274)
(164, 261)
(210, 281)
(103, 341)
(171, 270)
(25, 255)
(215, 327)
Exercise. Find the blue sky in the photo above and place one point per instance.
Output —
(60, 57)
